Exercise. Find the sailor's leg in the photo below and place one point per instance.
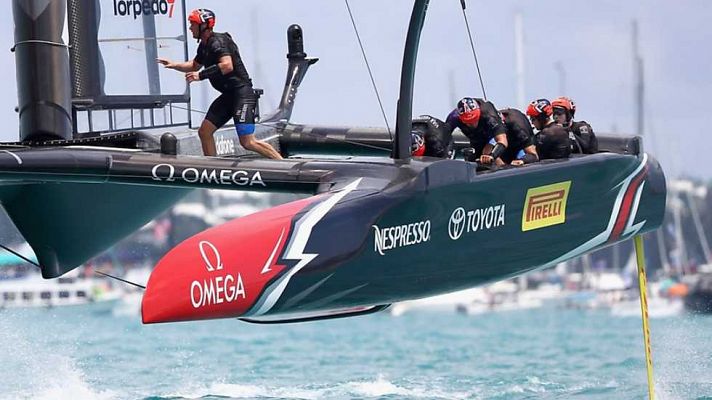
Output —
(249, 142)
(218, 114)
(245, 126)
(206, 131)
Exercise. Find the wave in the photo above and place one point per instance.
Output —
(39, 371)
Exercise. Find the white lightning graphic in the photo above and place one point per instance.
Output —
(19, 160)
(297, 245)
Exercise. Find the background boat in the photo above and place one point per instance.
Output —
(73, 290)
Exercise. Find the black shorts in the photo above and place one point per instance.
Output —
(238, 104)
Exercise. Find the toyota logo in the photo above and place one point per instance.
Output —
(457, 223)
(205, 249)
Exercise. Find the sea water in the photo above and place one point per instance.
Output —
(548, 353)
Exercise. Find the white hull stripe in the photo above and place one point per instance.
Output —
(301, 296)
(630, 229)
(602, 237)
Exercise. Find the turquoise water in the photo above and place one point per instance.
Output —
(550, 353)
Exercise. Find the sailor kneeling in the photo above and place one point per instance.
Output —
(430, 138)
(583, 140)
(552, 140)
(520, 138)
(479, 120)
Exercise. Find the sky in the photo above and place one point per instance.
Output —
(590, 40)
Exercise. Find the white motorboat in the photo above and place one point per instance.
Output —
(33, 291)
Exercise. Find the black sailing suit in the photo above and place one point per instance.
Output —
(553, 142)
(438, 140)
(520, 134)
(237, 98)
(583, 140)
(490, 125)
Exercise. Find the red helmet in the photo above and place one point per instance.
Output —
(565, 103)
(468, 110)
(540, 108)
(202, 16)
(417, 145)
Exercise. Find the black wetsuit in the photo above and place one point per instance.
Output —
(490, 125)
(520, 134)
(237, 100)
(583, 140)
(553, 142)
(438, 140)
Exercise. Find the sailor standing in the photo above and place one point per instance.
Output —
(220, 59)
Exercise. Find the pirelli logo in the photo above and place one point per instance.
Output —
(545, 206)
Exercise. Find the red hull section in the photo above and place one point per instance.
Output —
(220, 273)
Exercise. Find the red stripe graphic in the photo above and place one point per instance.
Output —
(627, 205)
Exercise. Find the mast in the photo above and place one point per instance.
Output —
(404, 117)
(702, 237)
(452, 87)
(43, 79)
(639, 87)
(519, 57)
(679, 238)
(662, 251)
(559, 66)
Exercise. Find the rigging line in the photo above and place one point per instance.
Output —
(368, 146)
(180, 38)
(368, 66)
(98, 272)
(120, 280)
(20, 256)
(472, 45)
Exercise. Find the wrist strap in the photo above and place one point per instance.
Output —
(530, 158)
(498, 150)
(210, 72)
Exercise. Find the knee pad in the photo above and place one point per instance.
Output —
(245, 129)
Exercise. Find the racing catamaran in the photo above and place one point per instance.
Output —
(380, 226)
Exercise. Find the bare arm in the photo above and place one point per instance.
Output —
(531, 149)
(502, 138)
(225, 64)
(530, 156)
(188, 66)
